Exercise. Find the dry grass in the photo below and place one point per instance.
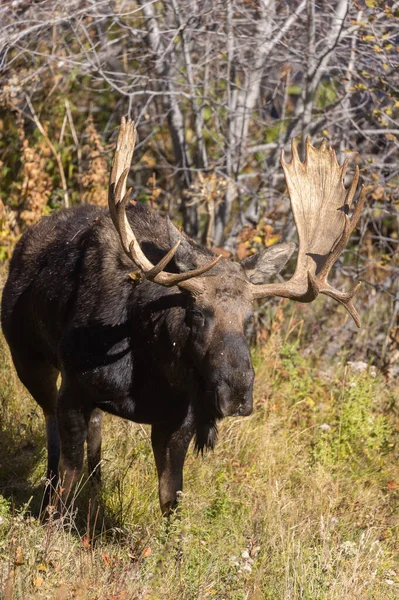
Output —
(299, 501)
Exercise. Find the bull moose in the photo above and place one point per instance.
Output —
(144, 323)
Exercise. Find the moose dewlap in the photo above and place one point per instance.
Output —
(145, 324)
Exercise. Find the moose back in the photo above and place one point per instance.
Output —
(144, 323)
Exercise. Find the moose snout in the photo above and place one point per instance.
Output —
(246, 407)
(235, 395)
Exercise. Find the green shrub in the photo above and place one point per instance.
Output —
(355, 433)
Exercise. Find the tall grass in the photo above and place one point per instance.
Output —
(298, 501)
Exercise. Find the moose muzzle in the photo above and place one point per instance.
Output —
(234, 397)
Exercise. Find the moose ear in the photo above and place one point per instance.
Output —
(185, 257)
(261, 267)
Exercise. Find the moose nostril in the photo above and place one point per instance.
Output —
(245, 409)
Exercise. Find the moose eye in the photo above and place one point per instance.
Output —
(197, 315)
(195, 319)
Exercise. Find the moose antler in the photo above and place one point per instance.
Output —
(118, 199)
(320, 204)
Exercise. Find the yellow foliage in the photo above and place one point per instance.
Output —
(95, 178)
(36, 185)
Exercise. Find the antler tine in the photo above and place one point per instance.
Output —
(118, 199)
(344, 298)
(359, 207)
(121, 163)
(319, 202)
(352, 189)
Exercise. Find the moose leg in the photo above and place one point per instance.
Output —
(94, 445)
(170, 445)
(40, 379)
(53, 448)
(72, 425)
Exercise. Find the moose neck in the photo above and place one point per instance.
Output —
(164, 311)
(161, 310)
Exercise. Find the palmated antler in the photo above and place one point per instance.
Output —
(118, 199)
(320, 204)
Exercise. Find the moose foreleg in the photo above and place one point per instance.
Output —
(53, 456)
(94, 445)
(170, 445)
(53, 448)
(72, 426)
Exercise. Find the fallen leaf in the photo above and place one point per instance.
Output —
(135, 276)
(146, 552)
(19, 556)
(106, 559)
